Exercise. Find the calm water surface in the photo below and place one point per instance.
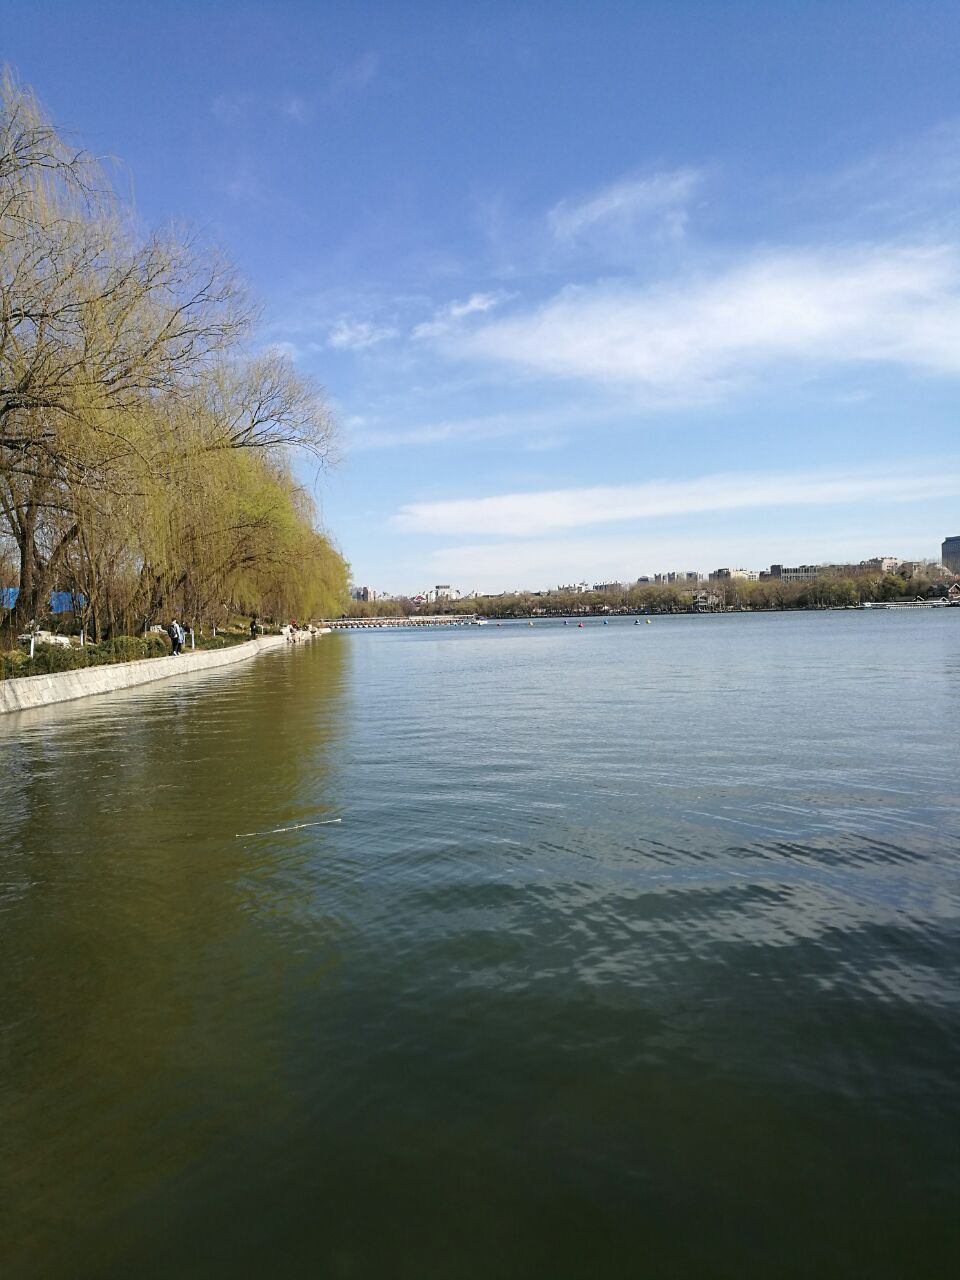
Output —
(636, 953)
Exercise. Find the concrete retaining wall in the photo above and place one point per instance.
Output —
(64, 686)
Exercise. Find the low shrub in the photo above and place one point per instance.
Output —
(155, 644)
(48, 659)
(12, 664)
(222, 640)
(212, 642)
(159, 644)
(133, 648)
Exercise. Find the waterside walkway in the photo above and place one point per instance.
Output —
(25, 692)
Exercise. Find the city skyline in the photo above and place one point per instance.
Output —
(775, 569)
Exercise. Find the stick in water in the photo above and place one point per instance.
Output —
(298, 826)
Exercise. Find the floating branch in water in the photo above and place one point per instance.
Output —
(297, 826)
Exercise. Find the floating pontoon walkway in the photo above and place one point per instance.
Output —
(418, 620)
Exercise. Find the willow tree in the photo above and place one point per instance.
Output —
(93, 318)
(145, 455)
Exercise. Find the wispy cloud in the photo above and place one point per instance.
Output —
(244, 184)
(695, 338)
(354, 77)
(289, 350)
(915, 183)
(296, 108)
(533, 514)
(229, 108)
(537, 430)
(239, 108)
(445, 320)
(356, 335)
(661, 195)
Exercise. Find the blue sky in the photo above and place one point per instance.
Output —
(596, 289)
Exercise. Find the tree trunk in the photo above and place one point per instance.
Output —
(25, 608)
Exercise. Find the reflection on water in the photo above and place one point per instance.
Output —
(636, 953)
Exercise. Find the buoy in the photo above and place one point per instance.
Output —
(636, 622)
(604, 622)
(648, 622)
(579, 624)
(529, 624)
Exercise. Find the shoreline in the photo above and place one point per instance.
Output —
(486, 619)
(25, 693)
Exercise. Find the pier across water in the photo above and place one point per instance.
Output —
(418, 620)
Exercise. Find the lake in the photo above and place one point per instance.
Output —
(636, 953)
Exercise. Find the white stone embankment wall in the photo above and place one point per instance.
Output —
(40, 691)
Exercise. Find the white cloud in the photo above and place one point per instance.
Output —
(662, 195)
(296, 108)
(694, 339)
(289, 350)
(913, 183)
(445, 320)
(355, 335)
(355, 76)
(538, 430)
(245, 185)
(534, 514)
(230, 107)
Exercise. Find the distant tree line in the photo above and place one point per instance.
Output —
(145, 449)
(828, 591)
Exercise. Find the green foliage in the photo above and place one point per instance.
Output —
(50, 658)
(131, 648)
(12, 664)
(219, 641)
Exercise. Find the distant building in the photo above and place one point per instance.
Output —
(442, 591)
(608, 586)
(677, 575)
(744, 575)
(796, 573)
(950, 553)
(704, 602)
(881, 564)
(363, 593)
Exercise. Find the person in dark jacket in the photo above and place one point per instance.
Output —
(176, 635)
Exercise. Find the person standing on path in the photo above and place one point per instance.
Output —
(176, 635)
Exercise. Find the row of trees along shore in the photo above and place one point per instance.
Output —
(146, 450)
(828, 591)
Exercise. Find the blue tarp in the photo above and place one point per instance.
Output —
(60, 601)
(66, 601)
